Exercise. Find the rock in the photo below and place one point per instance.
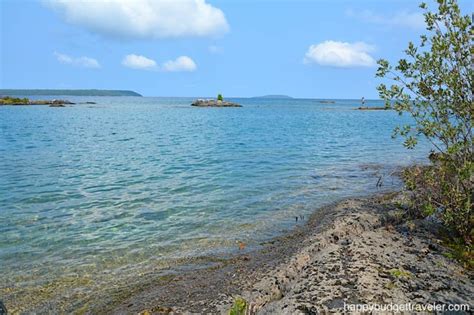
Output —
(60, 102)
(372, 108)
(214, 103)
(3, 309)
(345, 242)
(51, 103)
(425, 251)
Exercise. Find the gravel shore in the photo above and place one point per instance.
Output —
(357, 251)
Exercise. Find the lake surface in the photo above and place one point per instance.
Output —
(97, 197)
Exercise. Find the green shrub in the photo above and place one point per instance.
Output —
(239, 307)
(400, 273)
(460, 251)
(434, 85)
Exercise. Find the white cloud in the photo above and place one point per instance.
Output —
(182, 63)
(85, 62)
(143, 19)
(414, 20)
(340, 54)
(138, 62)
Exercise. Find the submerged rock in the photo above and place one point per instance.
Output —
(214, 103)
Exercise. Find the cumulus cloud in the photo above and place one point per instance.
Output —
(414, 20)
(138, 62)
(143, 19)
(85, 62)
(340, 54)
(182, 63)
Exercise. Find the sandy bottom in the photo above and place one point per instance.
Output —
(357, 251)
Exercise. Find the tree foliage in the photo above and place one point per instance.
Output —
(434, 85)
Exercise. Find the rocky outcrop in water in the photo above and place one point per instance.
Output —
(7, 100)
(372, 108)
(214, 103)
(51, 103)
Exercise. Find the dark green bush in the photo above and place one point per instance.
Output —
(434, 85)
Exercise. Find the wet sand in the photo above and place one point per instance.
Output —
(354, 251)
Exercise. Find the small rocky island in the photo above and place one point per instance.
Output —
(219, 102)
(7, 100)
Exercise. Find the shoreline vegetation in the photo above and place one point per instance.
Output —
(56, 92)
(442, 115)
(355, 251)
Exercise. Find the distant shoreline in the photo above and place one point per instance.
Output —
(60, 92)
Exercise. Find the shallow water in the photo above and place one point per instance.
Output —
(94, 195)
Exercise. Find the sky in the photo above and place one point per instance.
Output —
(307, 49)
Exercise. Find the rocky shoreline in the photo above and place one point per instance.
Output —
(358, 251)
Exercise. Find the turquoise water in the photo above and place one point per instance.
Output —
(94, 195)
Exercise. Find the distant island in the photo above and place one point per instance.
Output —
(92, 92)
(274, 96)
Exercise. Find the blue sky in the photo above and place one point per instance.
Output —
(314, 49)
